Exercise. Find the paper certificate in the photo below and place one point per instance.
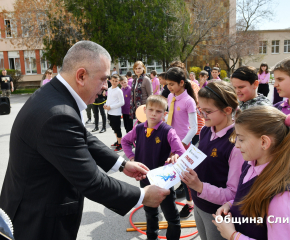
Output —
(168, 175)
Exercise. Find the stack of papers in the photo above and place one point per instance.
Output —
(168, 175)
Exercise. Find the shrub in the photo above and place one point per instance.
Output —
(16, 76)
(223, 74)
(196, 70)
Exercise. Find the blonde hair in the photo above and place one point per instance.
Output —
(48, 71)
(139, 63)
(157, 99)
(122, 78)
(275, 178)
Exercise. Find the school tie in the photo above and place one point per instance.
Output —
(170, 114)
(149, 131)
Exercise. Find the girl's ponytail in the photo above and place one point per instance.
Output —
(188, 87)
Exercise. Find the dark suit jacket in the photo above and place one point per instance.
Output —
(53, 164)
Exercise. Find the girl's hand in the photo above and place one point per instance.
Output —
(108, 108)
(226, 229)
(172, 159)
(105, 106)
(191, 179)
(223, 210)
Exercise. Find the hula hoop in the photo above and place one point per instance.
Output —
(160, 237)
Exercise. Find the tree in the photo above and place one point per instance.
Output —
(201, 28)
(234, 47)
(251, 12)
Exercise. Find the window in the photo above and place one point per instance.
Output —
(30, 62)
(10, 28)
(263, 47)
(125, 66)
(286, 46)
(14, 60)
(157, 66)
(43, 62)
(275, 46)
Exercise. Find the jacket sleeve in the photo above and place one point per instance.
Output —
(62, 142)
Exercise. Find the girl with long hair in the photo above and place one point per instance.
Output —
(263, 194)
(214, 181)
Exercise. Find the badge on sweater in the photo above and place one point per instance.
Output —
(178, 108)
(157, 140)
(214, 153)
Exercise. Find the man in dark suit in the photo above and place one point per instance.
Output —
(54, 160)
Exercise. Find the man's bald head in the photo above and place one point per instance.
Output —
(83, 54)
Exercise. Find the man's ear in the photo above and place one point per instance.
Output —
(81, 75)
(256, 84)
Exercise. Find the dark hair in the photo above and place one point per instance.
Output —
(203, 73)
(154, 72)
(246, 73)
(262, 65)
(129, 74)
(283, 66)
(180, 65)
(222, 93)
(176, 74)
(162, 75)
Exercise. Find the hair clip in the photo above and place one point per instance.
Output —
(287, 120)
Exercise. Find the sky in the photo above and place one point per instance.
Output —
(281, 18)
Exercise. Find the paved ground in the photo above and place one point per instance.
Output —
(97, 222)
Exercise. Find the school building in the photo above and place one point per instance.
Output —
(33, 65)
(274, 47)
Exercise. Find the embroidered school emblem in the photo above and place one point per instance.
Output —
(214, 153)
(178, 108)
(157, 140)
(126, 96)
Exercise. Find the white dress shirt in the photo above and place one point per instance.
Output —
(82, 106)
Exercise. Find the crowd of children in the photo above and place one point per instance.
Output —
(246, 173)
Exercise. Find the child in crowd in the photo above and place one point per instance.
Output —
(155, 83)
(164, 92)
(263, 193)
(182, 115)
(48, 76)
(263, 78)
(130, 79)
(155, 140)
(113, 105)
(128, 122)
(282, 84)
(215, 180)
(215, 75)
(245, 81)
(192, 77)
(203, 76)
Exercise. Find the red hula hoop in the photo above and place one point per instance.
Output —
(160, 237)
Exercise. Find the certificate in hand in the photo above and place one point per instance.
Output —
(168, 175)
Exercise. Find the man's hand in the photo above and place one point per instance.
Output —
(154, 195)
(136, 170)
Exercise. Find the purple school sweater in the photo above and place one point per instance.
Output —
(127, 97)
(251, 230)
(215, 168)
(154, 150)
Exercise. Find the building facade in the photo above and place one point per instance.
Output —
(274, 46)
